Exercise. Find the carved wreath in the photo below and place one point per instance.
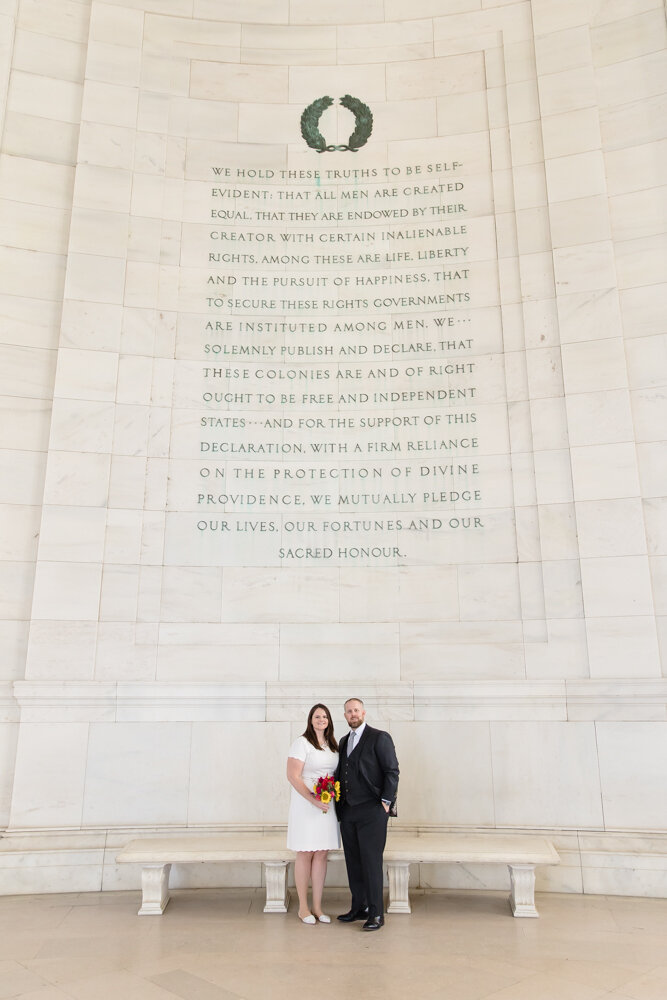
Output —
(310, 124)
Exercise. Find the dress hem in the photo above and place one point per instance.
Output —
(296, 850)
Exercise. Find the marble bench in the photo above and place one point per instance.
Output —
(520, 852)
(156, 855)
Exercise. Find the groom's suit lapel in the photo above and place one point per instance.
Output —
(363, 741)
(342, 746)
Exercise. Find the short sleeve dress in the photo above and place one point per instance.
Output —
(308, 828)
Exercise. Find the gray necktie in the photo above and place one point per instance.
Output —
(350, 742)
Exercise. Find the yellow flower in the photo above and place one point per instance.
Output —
(325, 797)
(337, 790)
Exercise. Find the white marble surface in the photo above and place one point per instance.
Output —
(146, 647)
(632, 761)
(530, 763)
(431, 847)
(49, 775)
(437, 786)
(623, 646)
(239, 793)
(157, 757)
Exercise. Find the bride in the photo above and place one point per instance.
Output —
(312, 827)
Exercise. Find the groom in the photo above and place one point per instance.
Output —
(368, 774)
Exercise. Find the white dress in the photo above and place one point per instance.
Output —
(308, 828)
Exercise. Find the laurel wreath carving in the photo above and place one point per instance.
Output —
(363, 120)
(310, 120)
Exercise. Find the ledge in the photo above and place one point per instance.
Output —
(9, 709)
(558, 701)
(632, 863)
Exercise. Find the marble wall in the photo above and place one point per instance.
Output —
(527, 665)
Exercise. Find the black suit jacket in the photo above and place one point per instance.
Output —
(378, 766)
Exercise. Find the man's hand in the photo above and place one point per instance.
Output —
(385, 806)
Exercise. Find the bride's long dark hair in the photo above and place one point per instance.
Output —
(311, 735)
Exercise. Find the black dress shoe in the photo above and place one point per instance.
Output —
(351, 915)
(373, 924)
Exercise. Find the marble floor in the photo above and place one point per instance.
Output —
(216, 944)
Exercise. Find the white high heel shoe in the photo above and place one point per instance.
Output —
(310, 919)
(324, 919)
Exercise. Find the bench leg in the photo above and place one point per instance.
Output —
(522, 896)
(277, 896)
(398, 875)
(154, 890)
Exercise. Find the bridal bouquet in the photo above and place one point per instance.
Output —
(327, 789)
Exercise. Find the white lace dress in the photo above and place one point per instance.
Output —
(308, 828)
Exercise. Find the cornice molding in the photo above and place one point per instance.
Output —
(202, 701)
(9, 709)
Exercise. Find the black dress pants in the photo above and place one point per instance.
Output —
(363, 830)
